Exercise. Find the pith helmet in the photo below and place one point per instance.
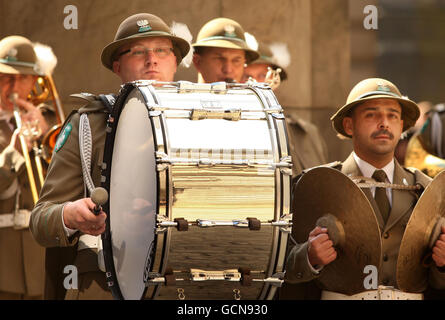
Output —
(224, 33)
(376, 88)
(142, 25)
(17, 56)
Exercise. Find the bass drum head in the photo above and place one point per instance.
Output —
(133, 189)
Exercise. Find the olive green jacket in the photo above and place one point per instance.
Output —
(297, 267)
(307, 147)
(64, 183)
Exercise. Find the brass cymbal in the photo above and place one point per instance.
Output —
(421, 233)
(327, 197)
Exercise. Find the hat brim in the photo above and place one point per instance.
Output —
(251, 55)
(8, 69)
(109, 51)
(410, 112)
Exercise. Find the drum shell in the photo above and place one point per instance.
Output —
(213, 169)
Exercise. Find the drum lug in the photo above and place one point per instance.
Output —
(286, 171)
(155, 113)
(162, 167)
(160, 230)
(205, 275)
(278, 116)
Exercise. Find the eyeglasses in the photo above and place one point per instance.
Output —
(141, 51)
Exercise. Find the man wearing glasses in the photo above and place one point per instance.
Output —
(144, 48)
(221, 51)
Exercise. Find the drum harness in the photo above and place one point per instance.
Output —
(87, 241)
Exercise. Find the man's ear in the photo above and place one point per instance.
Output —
(197, 61)
(348, 126)
(117, 67)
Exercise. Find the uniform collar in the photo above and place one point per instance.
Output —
(368, 169)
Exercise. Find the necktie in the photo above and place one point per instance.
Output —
(380, 195)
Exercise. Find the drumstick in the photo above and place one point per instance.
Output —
(99, 196)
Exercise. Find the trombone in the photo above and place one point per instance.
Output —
(43, 91)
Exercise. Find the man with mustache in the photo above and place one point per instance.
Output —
(221, 51)
(374, 118)
(144, 48)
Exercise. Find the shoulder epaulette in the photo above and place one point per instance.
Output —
(94, 103)
(420, 177)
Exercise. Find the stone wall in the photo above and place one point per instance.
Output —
(316, 31)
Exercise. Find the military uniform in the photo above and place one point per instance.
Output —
(432, 136)
(307, 147)
(298, 270)
(66, 185)
(65, 181)
(21, 258)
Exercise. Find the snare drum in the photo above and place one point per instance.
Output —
(198, 177)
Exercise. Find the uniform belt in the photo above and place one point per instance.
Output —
(6, 220)
(87, 241)
(18, 220)
(382, 293)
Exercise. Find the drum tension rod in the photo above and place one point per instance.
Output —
(243, 275)
(252, 223)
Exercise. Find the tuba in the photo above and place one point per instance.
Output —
(417, 157)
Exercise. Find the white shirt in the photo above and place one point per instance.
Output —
(368, 170)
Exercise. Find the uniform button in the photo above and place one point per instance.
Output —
(386, 235)
(385, 257)
(58, 239)
(299, 275)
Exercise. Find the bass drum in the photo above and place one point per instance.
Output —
(198, 177)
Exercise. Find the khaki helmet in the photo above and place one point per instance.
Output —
(142, 25)
(17, 56)
(376, 88)
(224, 33)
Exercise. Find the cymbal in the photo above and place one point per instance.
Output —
(327, 197)
(420, 234)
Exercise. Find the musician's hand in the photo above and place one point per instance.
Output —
(321, 249)
(78, 215)
(32, 116)
(439, 250)
(15, 143)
